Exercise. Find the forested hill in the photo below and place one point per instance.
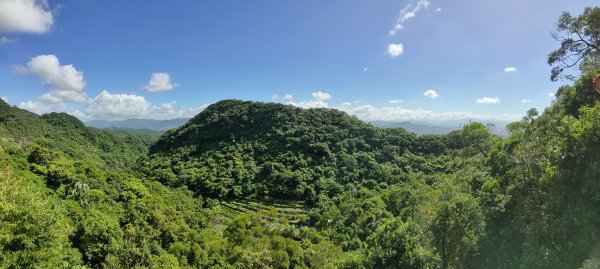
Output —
(266, 150)
(67, 134)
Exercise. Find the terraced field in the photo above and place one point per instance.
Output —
(291, 212)
(277, 213)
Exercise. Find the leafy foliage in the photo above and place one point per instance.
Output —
(255, 185)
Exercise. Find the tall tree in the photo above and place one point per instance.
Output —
(580, 42)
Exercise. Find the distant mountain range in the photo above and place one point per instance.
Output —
(417, 128)
(421, 128)
(442, 127)
(161, 125)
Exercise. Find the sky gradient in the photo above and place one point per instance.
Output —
(384, 60)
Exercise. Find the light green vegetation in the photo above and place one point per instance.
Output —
(256, 185)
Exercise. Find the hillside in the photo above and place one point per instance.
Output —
(69, 135)
(265, 150)
(270, 185)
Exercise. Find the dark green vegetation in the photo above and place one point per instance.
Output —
(255, 185)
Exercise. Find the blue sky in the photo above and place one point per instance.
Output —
(374, 59)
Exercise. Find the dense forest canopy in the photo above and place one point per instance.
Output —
(264, 185)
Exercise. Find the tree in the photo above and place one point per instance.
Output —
(580, 42)
(398, 244)
(457, 229)
(33, 233)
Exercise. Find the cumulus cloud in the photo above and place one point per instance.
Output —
(117, 106)
(526, 101)
(25, 16)
(395, 101)
(395, 50)
(431, 94)
(319, 100)
(64, 81)
(128, 106)
(408, 12)
(320, 96)
(510, 69)
(488, 100)
(160, 82)
(41, 107)
(54, 75)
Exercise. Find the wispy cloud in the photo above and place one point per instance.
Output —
(510, 69)
(526, 101)
(5, 40)
(409, 12)
(395, 101)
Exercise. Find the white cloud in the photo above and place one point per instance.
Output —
(5, 40)
(408, 15)
(438, 10)
(5, 98)
(65, 82)
(320, 96)
(395, 101)
(488, 100)
(109, 106)
(55, 76)
(288, 97)
(127, 106)
(551, 94)
(275, 98)
(397, 113)
(319, 100)
(309, 104)
(510, 69)
(25, 16)
(160, 82)
(395, 50)
(431, 94)
(526, 101)
(372, 113)
(41, 107)
(408, 12)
